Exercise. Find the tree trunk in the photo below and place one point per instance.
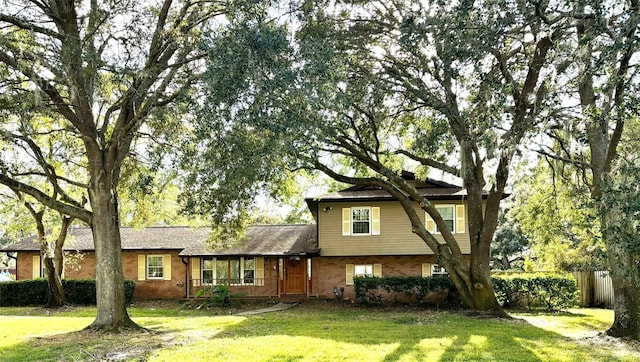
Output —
(56, 298)
(112, 314)
(626, 293)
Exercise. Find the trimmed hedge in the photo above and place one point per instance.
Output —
(436, 290)
(550, 292)
(36, 292)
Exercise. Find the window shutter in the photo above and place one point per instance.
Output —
(346, 221)
(259, 265)
(166, 267)
(460, 216)
(195, 272)
(429, 224)
(426, 270)
(377, 270)
(375, 221)
(349, 275)
(35, 273)
(142, 267)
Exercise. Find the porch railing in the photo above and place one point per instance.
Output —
(249, 287)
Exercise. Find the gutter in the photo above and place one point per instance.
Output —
(186, 276)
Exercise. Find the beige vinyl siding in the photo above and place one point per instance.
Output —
(395, 236)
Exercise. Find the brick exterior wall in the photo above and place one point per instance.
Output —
(330, 272)
(327, 273)
(145, 289)
(24, 265)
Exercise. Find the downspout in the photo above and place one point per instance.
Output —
(186, 277)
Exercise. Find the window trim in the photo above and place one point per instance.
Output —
(440, 267)
(148, 276)
(353, 221)
(366, 266)
(373, 222)
(241, 278)
(459, 219)
(453, 217)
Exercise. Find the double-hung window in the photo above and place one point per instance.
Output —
(361, 220)
(363, 270)
(235, 271)
(448, 215)
(155, 267)
(207, 271)
(438, 270)
(248, 270)
(453, 217)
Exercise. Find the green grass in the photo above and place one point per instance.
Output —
(312, 333)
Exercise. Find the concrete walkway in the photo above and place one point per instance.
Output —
(274, 308)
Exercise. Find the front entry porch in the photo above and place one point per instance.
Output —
(274, 277)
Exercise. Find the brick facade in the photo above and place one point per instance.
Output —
(327, 273)
(145, 289)
(330, 272)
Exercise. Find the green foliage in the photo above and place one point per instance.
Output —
(559, 220)
(36, 291)
(620, 206)
(416, 290)
(215, 296)
(550, 292)
(509, 243)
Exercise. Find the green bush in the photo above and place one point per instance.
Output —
(437, 290)
(23, 292)
(36, 291)
(550, 292)
(215, 296)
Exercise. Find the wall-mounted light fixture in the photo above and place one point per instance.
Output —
(328, 208)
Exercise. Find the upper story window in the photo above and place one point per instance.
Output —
(360, 220)
(363, 220)
(448, 215)
(453, 216)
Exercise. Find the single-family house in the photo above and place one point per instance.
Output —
(360, 231)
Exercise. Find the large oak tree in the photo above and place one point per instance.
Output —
(107, 69)
(368, 89)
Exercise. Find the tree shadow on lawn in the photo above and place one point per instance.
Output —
(81, 345)
(418, 335)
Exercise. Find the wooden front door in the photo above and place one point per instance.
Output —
(295, 276)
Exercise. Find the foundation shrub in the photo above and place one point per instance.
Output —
(437, 290)
(551, 292)
(35, 292)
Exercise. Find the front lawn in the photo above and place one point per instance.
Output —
(313, 332)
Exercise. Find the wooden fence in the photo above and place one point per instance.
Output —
(595, 288)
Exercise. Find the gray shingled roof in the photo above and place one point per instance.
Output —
(260, 240)
(266, 240)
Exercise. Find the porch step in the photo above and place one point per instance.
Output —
(292, 298)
